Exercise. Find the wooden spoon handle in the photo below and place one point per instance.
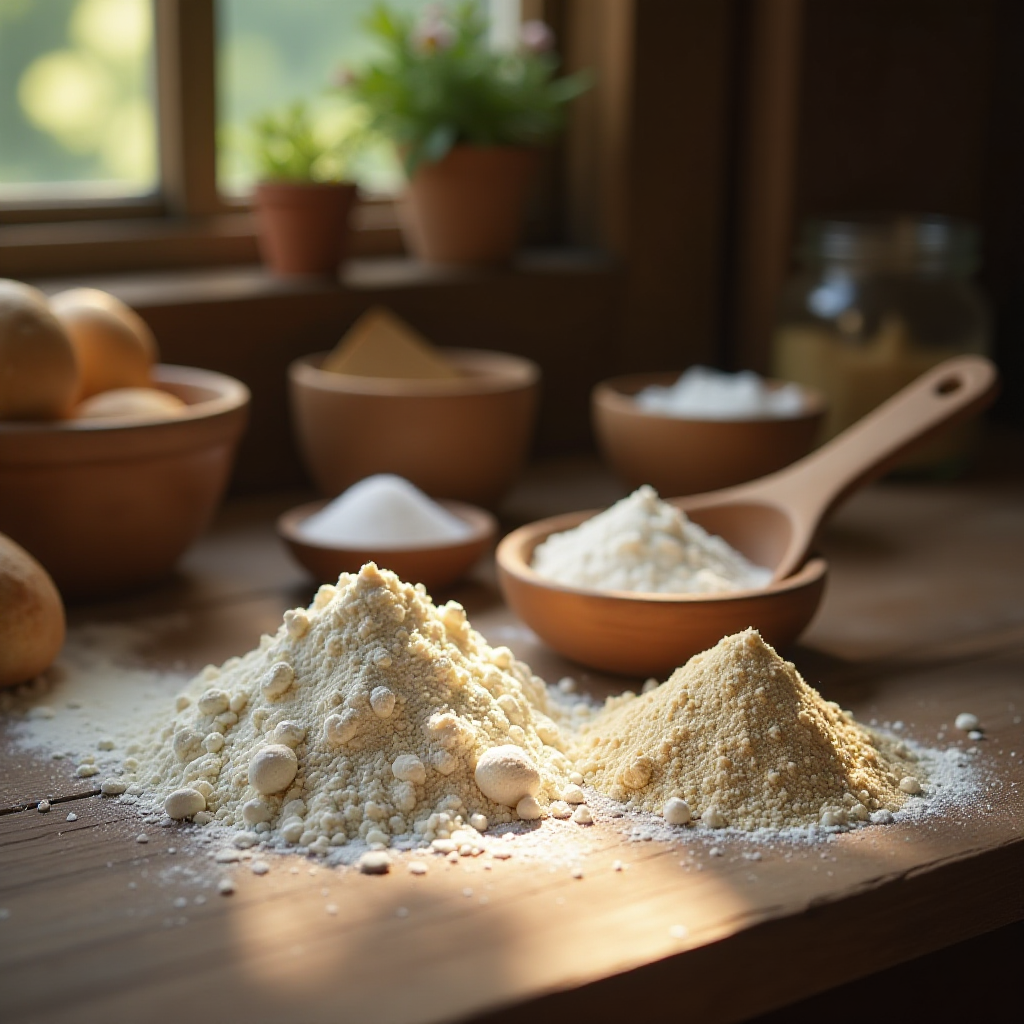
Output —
(812, 487)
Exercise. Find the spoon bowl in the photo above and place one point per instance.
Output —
(772, 521)
(644, 635)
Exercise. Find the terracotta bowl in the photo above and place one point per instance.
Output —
(645, 634)
(108, 506)
(435, 567)
(465, 438)
(689, 456)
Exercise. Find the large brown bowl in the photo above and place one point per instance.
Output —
(108, 505)
(436, 566)
(465, 438)
(680, 456)
(645, 634)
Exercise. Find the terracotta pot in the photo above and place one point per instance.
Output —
(303, 228)
(680, 456)
(108, 506)
(465, 437)
(468, 208)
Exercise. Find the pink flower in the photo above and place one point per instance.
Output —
(536, 37)
(433, 34)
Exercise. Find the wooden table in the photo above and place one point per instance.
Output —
(924, 618)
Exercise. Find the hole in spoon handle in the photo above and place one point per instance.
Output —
(815, 486)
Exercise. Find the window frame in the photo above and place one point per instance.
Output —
(187, 222)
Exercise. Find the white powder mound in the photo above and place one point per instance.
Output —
(646, 545)
(363, 717)
(702, 393)
(387, 512)
(368, 716)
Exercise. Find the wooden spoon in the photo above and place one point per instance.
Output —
(773, 520)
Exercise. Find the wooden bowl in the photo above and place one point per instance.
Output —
(108, 505)
(465, 438)
(435, 567)
(645, 634)
(690, 456)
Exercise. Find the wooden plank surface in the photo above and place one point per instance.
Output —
(924, 618)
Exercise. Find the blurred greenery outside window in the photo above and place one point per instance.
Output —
(78, 90)
(77, 99)
(270, 54)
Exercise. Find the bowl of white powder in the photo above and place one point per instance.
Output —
(388, 520)
(639, 588)
(702, 430)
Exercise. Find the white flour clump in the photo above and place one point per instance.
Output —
(646, 545)
(738, 738)
(384, 511)
(702, 393)
(367, 716)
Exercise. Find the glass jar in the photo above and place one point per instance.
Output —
(876, 302)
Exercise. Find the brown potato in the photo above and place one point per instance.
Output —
(38, 369)
(114, 345)
(31, 616)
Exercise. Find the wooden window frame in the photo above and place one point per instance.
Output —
(187, 223)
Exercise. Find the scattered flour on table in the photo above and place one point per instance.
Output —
(384, 511)
(646, 545)
(374, 719)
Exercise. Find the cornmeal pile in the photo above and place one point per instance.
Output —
(740, 738)
(363, 716)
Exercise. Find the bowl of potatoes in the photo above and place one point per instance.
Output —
(111, 464)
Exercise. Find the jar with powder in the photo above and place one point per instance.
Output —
(874, 303)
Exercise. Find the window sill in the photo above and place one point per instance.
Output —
(106, 246)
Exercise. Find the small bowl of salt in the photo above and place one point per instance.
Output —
(702, 430)
(387, 520)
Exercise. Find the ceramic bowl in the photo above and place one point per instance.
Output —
(108, 506)
(466, 438)
(643, 635)
(435, 567)
(689, 456)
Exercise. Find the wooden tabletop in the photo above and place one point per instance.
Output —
(923, 619)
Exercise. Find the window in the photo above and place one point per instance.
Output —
(123, 124)
(270, 54)
(77, 104)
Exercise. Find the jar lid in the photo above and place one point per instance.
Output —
(895, 242)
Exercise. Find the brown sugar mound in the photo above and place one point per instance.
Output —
(739, 735)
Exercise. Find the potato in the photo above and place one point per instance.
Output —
(31, 616)
(39, 374)
(114, 345)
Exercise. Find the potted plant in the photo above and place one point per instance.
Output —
(468, 119)
(302, 201)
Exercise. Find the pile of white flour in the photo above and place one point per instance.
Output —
(375, 719)
(646, 545)
(363, 717)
